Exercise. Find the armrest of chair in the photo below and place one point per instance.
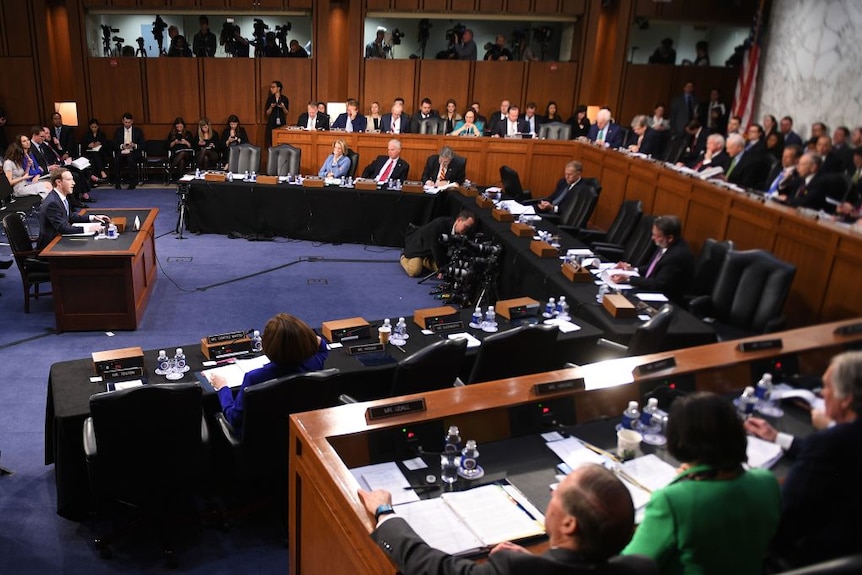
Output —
(345, 399)
(589, 236)
(531, 202)
(89, 439)
(205, 429)
(36, 265)
(550, 217)
(227, 430)
(701, 306)
(609, 252)
(602, 342)
(775, 324)
(571, 230)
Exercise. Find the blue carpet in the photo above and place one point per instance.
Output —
(206, 284)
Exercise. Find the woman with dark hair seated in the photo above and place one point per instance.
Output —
(179, 143)
(292, 348)
(715, 517)
(233, 135)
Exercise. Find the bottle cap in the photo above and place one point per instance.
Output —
(161, 352)
(256, 333)
(748, 390)
(653, 402)
(453, 430)
(633, 405)
(179, 350)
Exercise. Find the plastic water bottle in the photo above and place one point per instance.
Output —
(245, 176)
(178, 366)
(449, 467)
(763, 393)
(253, 176)
(490, 323)
(470, 468)
(476, 320)
(197, 173)
(631, 416)
(746, 402)
(399, 334)
(112, 231)
(652, 419)
(550, 308)
(603, 290)
(164, 364)
(256, 342)
(562, 310)
(229, 176)
(452, 443)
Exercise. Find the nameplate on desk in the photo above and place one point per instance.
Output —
(484, 202)
(760, 345)
(543, 249)
(577, 273)
(555, 386)
(366, 348)
(517, 308)
(654, 366)
(447, 326)
(230, 336)
(412, 187)
(313, 182)
(364, 184)
(502, 215)
(123, 373)
(394, 409)
(267, 180)
(215, 176)
(851, 329)
(227, 348)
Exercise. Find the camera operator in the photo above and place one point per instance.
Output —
(423, 246)
(296, 51)
(465, 48)
(376, 48)
(204, 42)
(498, 50)
(239, 43)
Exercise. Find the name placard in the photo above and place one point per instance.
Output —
(365, 348)
(851, 329)
(447, 326)
(555, 386)
(759, 345)
(394, 409)
(136, 372)
(654, 366)
(230, 336)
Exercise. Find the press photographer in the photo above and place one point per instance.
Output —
(424, 247)
(461, 44)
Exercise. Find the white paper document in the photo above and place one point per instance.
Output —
(763, 454)
(385, 476)
(515, 208)
(233, 373)
(565, 326)
(658, 297)
(472, 341)
(574, 453)
(784, 391)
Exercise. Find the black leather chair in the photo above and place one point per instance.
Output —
(512, 184)
(243, 158)
(145, 449)
(433, 126)
(627, 218)
(748, 296)
(434, 367)
(648, 338)
(283, 160)
(521, 351)
(34, 272)
(850, 565)
(555, 131)
(638, 248)
(155, 158)
(354, 162)
(575, 213)
(708, 265)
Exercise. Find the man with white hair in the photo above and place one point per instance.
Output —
(714, 156)
(604, 132)
(747, 168)
(821, 499)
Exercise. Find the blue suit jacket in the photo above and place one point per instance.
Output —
(613, 135)
(54, 220)
(359, 123)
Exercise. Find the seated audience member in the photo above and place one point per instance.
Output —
(233, 135)
(451, 116)
(695, 144)
(321, 109)
(22, 171)
(395, 122)
(855, 135)
(842, 148)
(97, 148)
(664, 54)
(785, 126)
(292, 348)
(351, 120)
(55, 215)
(657, 121)
(337, 164)
(755, 140)
(497, 117)
(388, 167)
(206, 145)
(444, 168)
(498, 50)
(514, 125)
(468, 126)
(671, 268)
(784, 173)
(604, 132)
(180, 148)
(715, 518)
(589, 519)
(830, 161)
(818, 130)
(849, 207)
(425, 113)
(566, 189)
(479, 117)
(532, 119)
(770, 124)
(809, 186)
(128, 141)
(48, 159)
(552, 114)
(312, 119)
(374, 117)
(423, 246)
(63, 138)
(579, 122)
(734, 125)
(774, 144)
(747, 169)
(820, 498)
(645, 139)
(294, 50)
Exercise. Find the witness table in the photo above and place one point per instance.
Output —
(104, 284)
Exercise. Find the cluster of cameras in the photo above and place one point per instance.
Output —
(473, 266)
(267, 43)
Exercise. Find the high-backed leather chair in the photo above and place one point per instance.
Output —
(354, 162)
(748, 296)
(242, 158)
(511, 183)
(637, 249)
(432, 126)
(627, 218)
(708, 265)
(649, 337)
(283, 160)
(434, 367)
(521, 351)
(145, 448)
(576, 212)
(33, 272)
(555, 131)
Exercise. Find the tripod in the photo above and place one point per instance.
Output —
(182, 193)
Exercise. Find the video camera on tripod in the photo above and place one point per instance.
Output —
(472, 271)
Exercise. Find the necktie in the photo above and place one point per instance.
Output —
(733, 164)
(857, 175)
(127, 137)
(442, 175)
(387, 170)
(601, 137)
(66, 205)
(776, 182)
(349, 126)
(652, 265)
(396, 124)
(310, 125)
(562, 196)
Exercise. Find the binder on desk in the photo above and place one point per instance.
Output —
(473, 521)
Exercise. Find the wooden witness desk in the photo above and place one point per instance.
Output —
(828, 257)
(104, 284)
(328, 525)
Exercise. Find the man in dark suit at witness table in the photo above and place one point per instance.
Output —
(589, 519)
(388, 167)
(444, 168)
(55, 216)
(423, 246)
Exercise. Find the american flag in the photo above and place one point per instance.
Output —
(743, 97)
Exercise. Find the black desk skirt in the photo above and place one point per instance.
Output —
(329, 214)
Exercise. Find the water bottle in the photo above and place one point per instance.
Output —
(603, 290)
(229, 176)
(652, 423)
(245, 176)
(253, 176)
(476, 320)
(112, 231)
(470, 468)
(631, 416)
(399, 334)
(764, 387)
(763, 393)
(197, 173)
(256, 342)
(178, 366)
(562, 308)
(449, 467)
(452, 443)
(550, 308)
(163, 363)
(745, 403)
(490, 323)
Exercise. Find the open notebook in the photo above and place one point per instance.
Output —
(473, 521)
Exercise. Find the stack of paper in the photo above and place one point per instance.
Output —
(763, 454)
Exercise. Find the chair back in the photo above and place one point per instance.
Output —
(244, 157)
(625, 222)
(432, 126)
(708, 265)
(155, 150)
(675, 147)
(511, 182)
(283, 160)
(577, 211)
(555, 131)
(148, 438)
(521, 351)
(751, 289)
(434, 367)
(354, 162)
(639, 248)
(6, 189)
(18, 236)
(650, 337)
